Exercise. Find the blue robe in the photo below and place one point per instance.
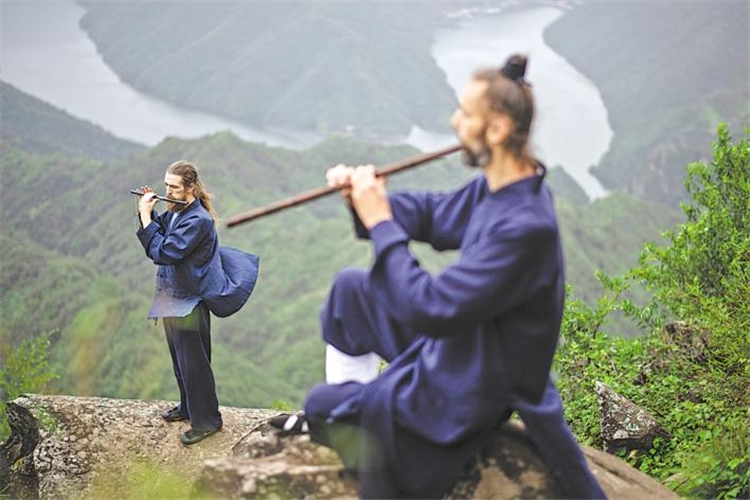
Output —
(464, 346)
(192, 266)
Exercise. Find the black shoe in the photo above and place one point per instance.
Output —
(288, 425)
(192, 436)
(174, 415)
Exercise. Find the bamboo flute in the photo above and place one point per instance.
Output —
(314, 194)
(162, 198)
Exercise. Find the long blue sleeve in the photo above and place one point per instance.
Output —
(174, 246)
(439, 219)
(492, 276)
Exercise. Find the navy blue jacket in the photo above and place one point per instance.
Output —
(192, 266)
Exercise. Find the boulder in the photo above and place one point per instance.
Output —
(74, 447)
(625, 424)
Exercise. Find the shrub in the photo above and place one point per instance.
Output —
(693, 375)
(25, 369)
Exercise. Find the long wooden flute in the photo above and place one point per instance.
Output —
(299, 199)
(162, 198)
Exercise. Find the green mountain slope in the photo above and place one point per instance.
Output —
(103, 344)
(72, 262)
(668, 73)
(32, 125)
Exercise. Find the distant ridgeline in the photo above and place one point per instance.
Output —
(73, 268)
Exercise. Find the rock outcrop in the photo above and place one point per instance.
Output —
(75, 447)
(625, 424)
(72, 447)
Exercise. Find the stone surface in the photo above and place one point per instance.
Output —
(264, 465)
(625, 424)
(60, 445)
(507, 468)
(71, 447)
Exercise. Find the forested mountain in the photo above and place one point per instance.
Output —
(668, 73)
(72, 264)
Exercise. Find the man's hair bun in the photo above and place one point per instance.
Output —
(515, 68)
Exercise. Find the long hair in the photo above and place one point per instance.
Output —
(508, 93)
(189, 174)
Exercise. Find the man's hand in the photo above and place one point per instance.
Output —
(339, 176)
(369, 197)
(146, 205)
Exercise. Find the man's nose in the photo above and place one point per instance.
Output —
(454, 120)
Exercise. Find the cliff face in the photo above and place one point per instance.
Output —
(72, 447)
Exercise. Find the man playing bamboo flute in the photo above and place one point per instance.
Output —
(195, 277)
(465, 347)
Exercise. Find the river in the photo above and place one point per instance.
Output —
(44, 53)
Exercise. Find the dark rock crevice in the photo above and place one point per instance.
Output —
(18, 475)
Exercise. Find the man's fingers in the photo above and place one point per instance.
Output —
(341, 175)
(363, 172)
(346, 193)
(338, 176)
(147, 201)
(369, 196)
(363, 177)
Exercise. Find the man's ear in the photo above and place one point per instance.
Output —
(499, 127)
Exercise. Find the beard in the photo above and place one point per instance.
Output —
(175, 207)
(476, 157)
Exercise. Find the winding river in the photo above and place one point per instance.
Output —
(45, 53)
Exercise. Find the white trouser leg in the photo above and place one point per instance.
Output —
(341, 367)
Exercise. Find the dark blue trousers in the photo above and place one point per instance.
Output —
(343, 435)
(189, 341)
(351, 323)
